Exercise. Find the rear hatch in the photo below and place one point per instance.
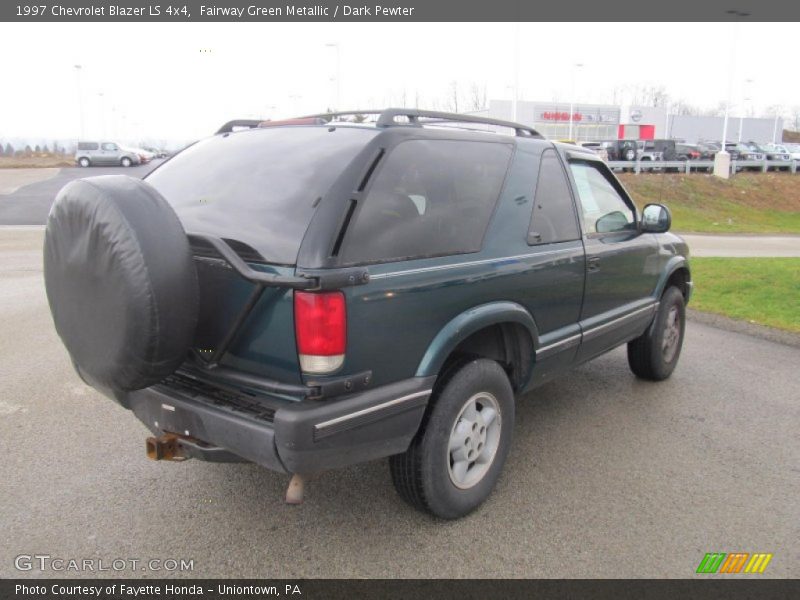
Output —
(257, 190)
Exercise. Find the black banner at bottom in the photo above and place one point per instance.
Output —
(406, 589)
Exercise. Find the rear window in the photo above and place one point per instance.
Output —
(429, 198)
(258, 187)
(87, 146)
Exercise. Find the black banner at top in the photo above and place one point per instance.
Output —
(374, 11)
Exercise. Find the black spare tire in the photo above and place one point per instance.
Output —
(120, 281)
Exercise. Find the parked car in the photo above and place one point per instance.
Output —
(794, 150)
(145, 156)
(596, 147)
(708, 150)
(743, 152)
(618, 150)
(776, 152)
(687, 152)
(310, 297)
(657, 150)
(105, 153)
(156, 152)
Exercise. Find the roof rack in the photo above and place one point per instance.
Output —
(256, 123)
(241, 123)
(387, 118)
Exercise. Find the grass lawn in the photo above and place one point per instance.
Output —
(746, 203)
(760, 290)
(36, 161)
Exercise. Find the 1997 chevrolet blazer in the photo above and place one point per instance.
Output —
(316, 293)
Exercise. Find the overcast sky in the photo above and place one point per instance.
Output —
(181, 81)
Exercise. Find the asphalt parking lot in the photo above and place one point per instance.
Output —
(25, 199)
(608, 476)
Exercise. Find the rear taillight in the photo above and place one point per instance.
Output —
(320, 323)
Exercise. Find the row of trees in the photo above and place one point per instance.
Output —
(27, 150)
(657, 95)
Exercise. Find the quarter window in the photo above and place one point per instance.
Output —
(553, 218)
(430, 198)
(604, 209)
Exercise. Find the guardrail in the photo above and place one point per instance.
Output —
(687, 166)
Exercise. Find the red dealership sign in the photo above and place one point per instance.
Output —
(560, 116)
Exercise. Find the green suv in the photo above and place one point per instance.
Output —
(316, 293)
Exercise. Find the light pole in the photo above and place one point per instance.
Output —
(338, 72)
(515, 98)
(722, 159)
(745, 85)
(775, 128)
(102, 113)
(575, 68)
(78, 69)
(294, 100)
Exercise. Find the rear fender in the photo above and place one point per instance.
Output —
(467, 323)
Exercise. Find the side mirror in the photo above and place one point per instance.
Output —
(656, 218)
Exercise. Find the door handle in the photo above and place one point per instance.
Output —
(593, 263)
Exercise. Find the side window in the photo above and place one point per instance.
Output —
(604, 210)
(109, 146)
(553, 218)
(429, 198)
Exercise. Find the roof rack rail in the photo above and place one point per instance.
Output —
(387, 118)
(258, 123)
(241, 123)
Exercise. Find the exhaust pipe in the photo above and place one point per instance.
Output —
(165, 447)
(296, 490)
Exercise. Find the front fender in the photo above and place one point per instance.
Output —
(674, 263)
(467, 323)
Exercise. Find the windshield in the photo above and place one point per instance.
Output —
(259, 186)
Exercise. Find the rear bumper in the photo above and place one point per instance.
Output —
(295, 437)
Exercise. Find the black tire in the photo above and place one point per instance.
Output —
(126, 162)
(630, 154)
(655, 353)
(423, 474)
(84, 162)
(121, 282)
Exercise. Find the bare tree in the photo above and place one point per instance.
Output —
(683, 108)
(795, 120)
(477, 97)
(452, 100)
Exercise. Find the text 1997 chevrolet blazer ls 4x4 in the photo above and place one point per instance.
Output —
(316, 293)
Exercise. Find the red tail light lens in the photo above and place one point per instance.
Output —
(320, 321)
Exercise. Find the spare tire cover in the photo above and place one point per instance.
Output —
(120, 281)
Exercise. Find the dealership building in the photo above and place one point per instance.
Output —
(609, 122)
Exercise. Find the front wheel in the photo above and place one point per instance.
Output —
(456, 458)
(84, 162)
(655, 353)
(126, 162)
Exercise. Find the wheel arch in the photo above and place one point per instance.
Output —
(678, 274)
(503, 331)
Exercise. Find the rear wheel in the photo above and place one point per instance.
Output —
(456, 458)
(84, 162)
(126, 162)
(655, 353)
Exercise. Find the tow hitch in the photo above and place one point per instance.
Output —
(165, 447)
